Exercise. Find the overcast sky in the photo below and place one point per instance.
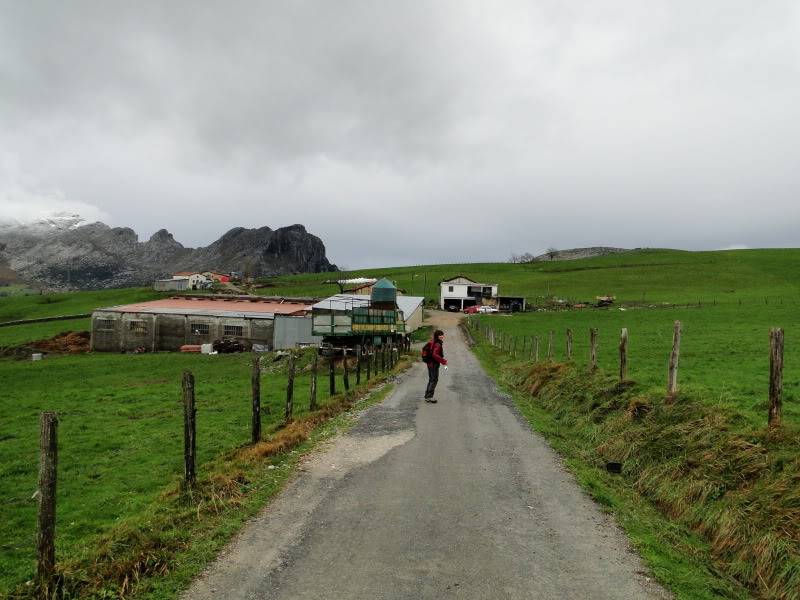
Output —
(409, 132)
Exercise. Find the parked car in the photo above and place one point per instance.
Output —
(487, 309)
(471, 310)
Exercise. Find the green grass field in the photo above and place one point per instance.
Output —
(18, 307)
(724, 349)
(17, 335)
(120, 437)
(676, 276)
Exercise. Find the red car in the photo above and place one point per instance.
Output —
(471, 310)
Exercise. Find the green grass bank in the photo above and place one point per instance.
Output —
(710, 501)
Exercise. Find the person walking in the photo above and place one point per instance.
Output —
(435, 359)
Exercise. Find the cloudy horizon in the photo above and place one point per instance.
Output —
(411, 133)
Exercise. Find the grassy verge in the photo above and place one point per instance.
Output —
(123, 523)
(712, 506)
(423, 334)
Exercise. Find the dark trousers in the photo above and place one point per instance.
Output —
(433, 379)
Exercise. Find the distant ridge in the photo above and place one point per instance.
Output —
(578, 253)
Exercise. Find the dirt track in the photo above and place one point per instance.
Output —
(424, 500)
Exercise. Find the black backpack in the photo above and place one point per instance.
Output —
(427, 351)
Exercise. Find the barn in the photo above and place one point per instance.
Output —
(170, 323)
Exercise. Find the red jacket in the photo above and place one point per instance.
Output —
(438, 353)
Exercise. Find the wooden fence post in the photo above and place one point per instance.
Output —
(550, 344)
(48, 476)
(623, 355)
(524, 343)
(383, 358)
(287, 415)
(346, 375)
(189, 430)
(312, 404)
(569, 343)
(369, 363)
(255, 384)
(514, 347)
(358, 364)
(592, 349)
(775, 376)
(672, 375)
(536, 348)
(332, 372)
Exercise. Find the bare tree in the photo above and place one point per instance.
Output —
(551, 252)
(525, 257)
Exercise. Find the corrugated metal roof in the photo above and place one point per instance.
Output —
(218, 307)
(345, 302)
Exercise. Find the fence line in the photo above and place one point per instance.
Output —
(48, 442)
(776, 351)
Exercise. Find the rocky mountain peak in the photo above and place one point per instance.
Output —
(69, 253)
(164, 237)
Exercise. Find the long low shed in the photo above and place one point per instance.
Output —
(170, 323)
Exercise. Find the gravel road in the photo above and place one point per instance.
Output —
(456, 499)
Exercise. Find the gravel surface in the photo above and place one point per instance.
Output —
(455, 499)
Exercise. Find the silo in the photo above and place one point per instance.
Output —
(384, 295)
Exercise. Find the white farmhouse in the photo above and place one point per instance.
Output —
(462, 292)
(197, 281)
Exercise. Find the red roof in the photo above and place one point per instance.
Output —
(254, 305)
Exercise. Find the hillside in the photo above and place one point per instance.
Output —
(651, 275)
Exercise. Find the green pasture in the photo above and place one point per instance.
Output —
(728, 277)
(14, 308)
(16, 335)
(120, 436)
(724, 349)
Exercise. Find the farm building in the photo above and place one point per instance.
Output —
(171, 285)
(462, 292)
(170, 323)
(382, 314)
(196, 281)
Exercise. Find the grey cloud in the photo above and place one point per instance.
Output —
(462, 130)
